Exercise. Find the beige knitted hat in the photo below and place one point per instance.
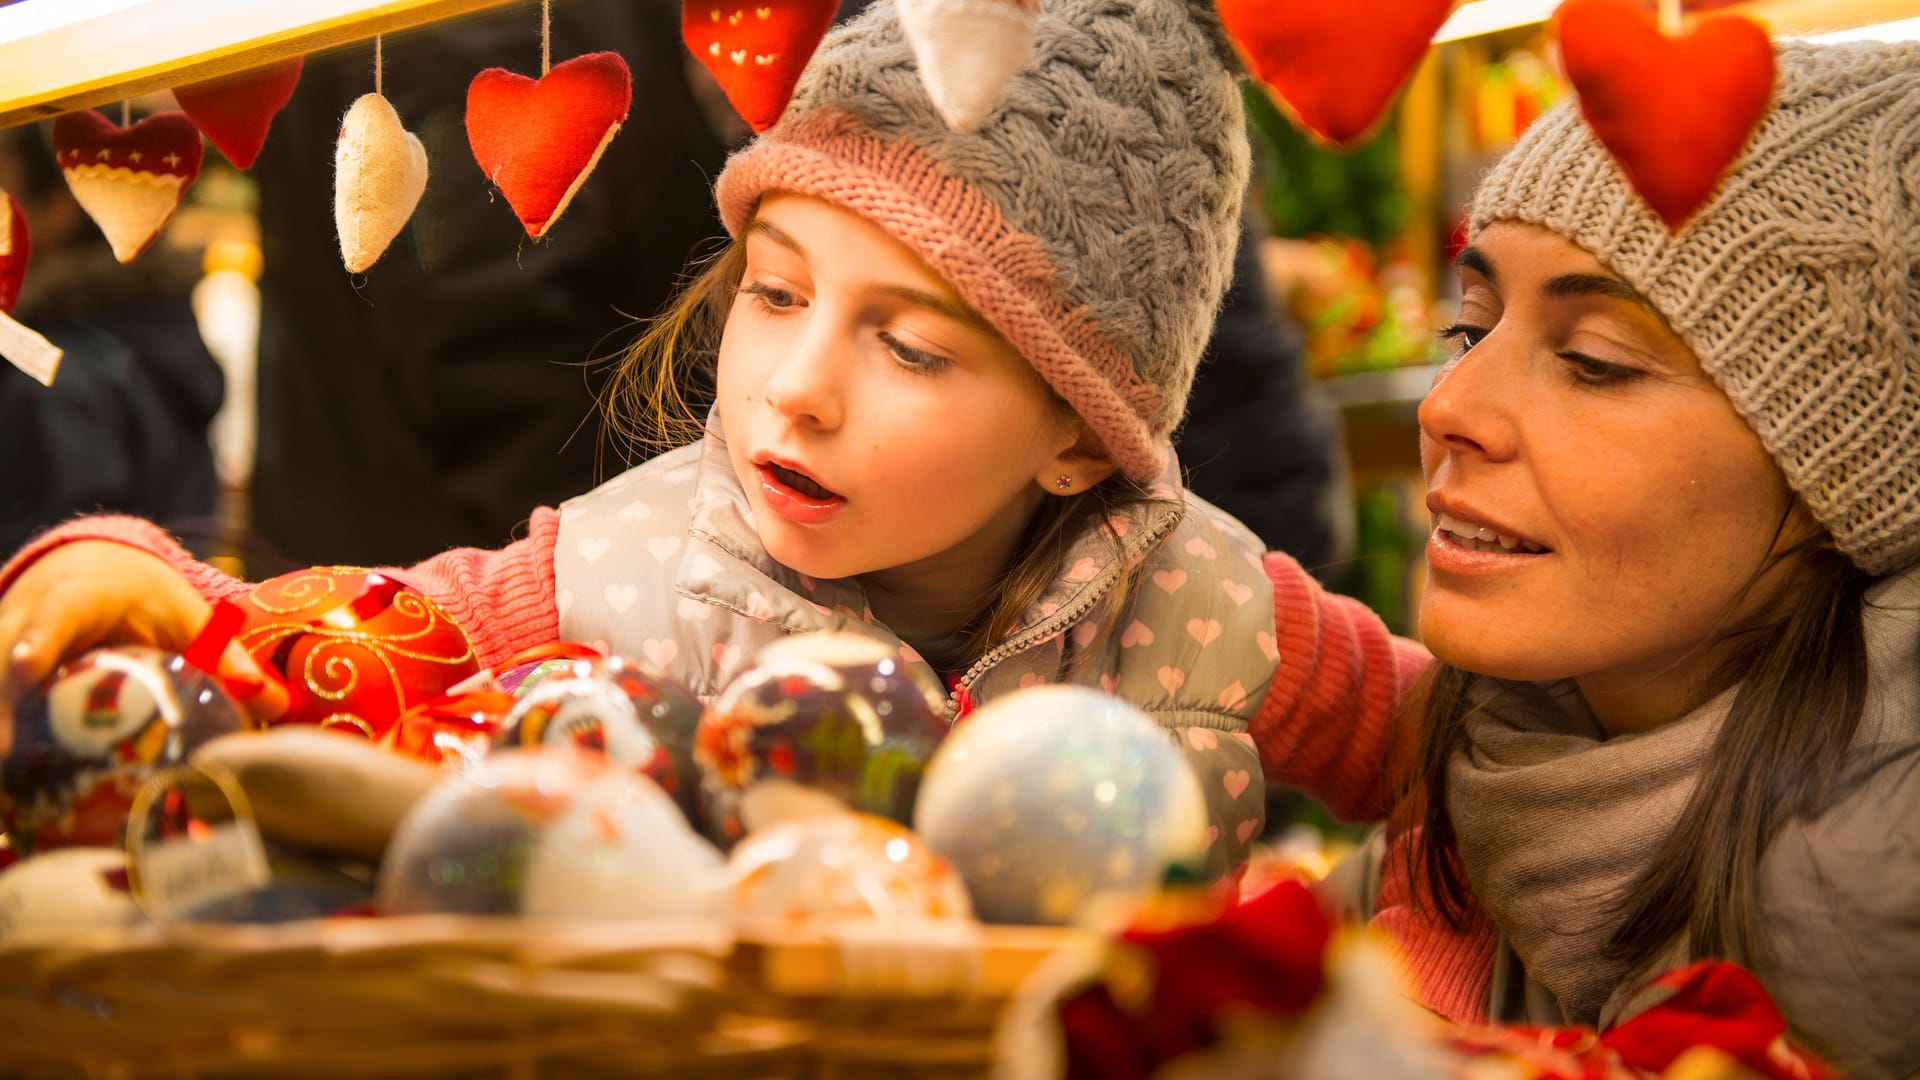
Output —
(1797, 285)
(1091, 217)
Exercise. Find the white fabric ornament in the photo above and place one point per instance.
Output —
(967, 51)
(379, 173)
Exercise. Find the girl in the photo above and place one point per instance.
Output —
(947, 364)
(1675, 479)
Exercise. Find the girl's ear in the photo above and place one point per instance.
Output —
(1081, 465)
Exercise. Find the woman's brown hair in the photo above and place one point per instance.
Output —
(652, 405)
(1802, 678)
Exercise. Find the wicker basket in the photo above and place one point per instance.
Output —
(459, 996)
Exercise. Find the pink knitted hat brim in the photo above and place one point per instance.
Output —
(1000, 273)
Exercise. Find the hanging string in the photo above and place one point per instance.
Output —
(379, 68)
(126, 112)
(1670, 17)
(546, 34)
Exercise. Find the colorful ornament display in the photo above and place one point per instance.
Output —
(638, 717)
(840, 867)
(829, 715)
(1332, 70)
(73, 888)
(16, 247)
(87, 739)
(549, 832)
(129, 180)
(379, 174)
(538, 139)
(756, 49)
(1053, 799)
(967, 50)
(234, 111)
(355, 648)
(1673, 111)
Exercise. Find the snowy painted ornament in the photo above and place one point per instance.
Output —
(838, 868)
(538, 139)
(379, 174)
(1054, 800)
(549, 833)
(74, 888)
(816, 720)
(234, 111)
(756, 49)
(967, 50)
(88, 738)
(129, 180)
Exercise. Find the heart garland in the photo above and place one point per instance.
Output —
(967, 50)
(16, 246)
(538, 139)
(234, 111)
(379, 174)
(1332, 70)
(1673, 111)
(129, 180)
(756, 49)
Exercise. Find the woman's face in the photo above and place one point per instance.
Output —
(1599, 508)
(877, 424)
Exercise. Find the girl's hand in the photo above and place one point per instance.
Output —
(97, 592)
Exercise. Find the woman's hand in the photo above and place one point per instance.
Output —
(97, 592)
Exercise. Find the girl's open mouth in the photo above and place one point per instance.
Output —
(794, 495)
(798, 481)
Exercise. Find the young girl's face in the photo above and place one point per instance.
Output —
(878, 425)
(1599, 507)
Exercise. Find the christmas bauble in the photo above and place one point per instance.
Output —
(356, 648)
(835, 714)
(548, 832)
(840, 867)
(1055, 798)
(89, 737)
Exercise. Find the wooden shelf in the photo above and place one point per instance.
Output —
(102, 52)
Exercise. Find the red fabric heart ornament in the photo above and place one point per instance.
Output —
(15, 247)
(538, 139)
(1334, 68)
(129, 180)
(1673, 111)
(756, 49)
(234, 111)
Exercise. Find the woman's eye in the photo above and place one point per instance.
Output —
(1584, 370)
(915, 359)
(1460, 337)
(770, 298)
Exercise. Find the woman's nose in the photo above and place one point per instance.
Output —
(1468, 410)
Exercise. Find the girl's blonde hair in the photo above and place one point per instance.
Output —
(654, 402)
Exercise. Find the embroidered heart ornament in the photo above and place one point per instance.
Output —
(379, 174)
(234, 111)
(756, 49)
(967, 50)
(1330, 67)
(15, 246)
(1673, 111)
(538, 139)
(128, 180)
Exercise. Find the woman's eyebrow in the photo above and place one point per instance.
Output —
(1472, 258)
(1572, 286)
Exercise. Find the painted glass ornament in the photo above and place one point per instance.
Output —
(840, 867)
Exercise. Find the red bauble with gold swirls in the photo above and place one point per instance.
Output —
(355, 647)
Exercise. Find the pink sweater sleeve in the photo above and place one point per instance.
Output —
(1335, 722)
(503, 599)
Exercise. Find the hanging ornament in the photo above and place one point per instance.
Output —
(1673, 106)
(234, 111)
(537, 139)
(25, 349)
(1332, 67)
(128, 179)
(967, 51)
(379, 174)
(756, 49)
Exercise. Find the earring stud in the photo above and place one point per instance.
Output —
(1063, 482)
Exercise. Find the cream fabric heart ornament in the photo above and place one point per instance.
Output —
(128, 180)
(967, 50)
(379, 174)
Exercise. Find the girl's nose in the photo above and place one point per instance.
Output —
(804, 385)
(1469, 409)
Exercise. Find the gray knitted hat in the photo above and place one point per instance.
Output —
(1092, 216)
(1797, 285)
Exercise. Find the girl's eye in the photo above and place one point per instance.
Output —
(1461, 337)
(769, 298)
(1584, 370)
(914, 359)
